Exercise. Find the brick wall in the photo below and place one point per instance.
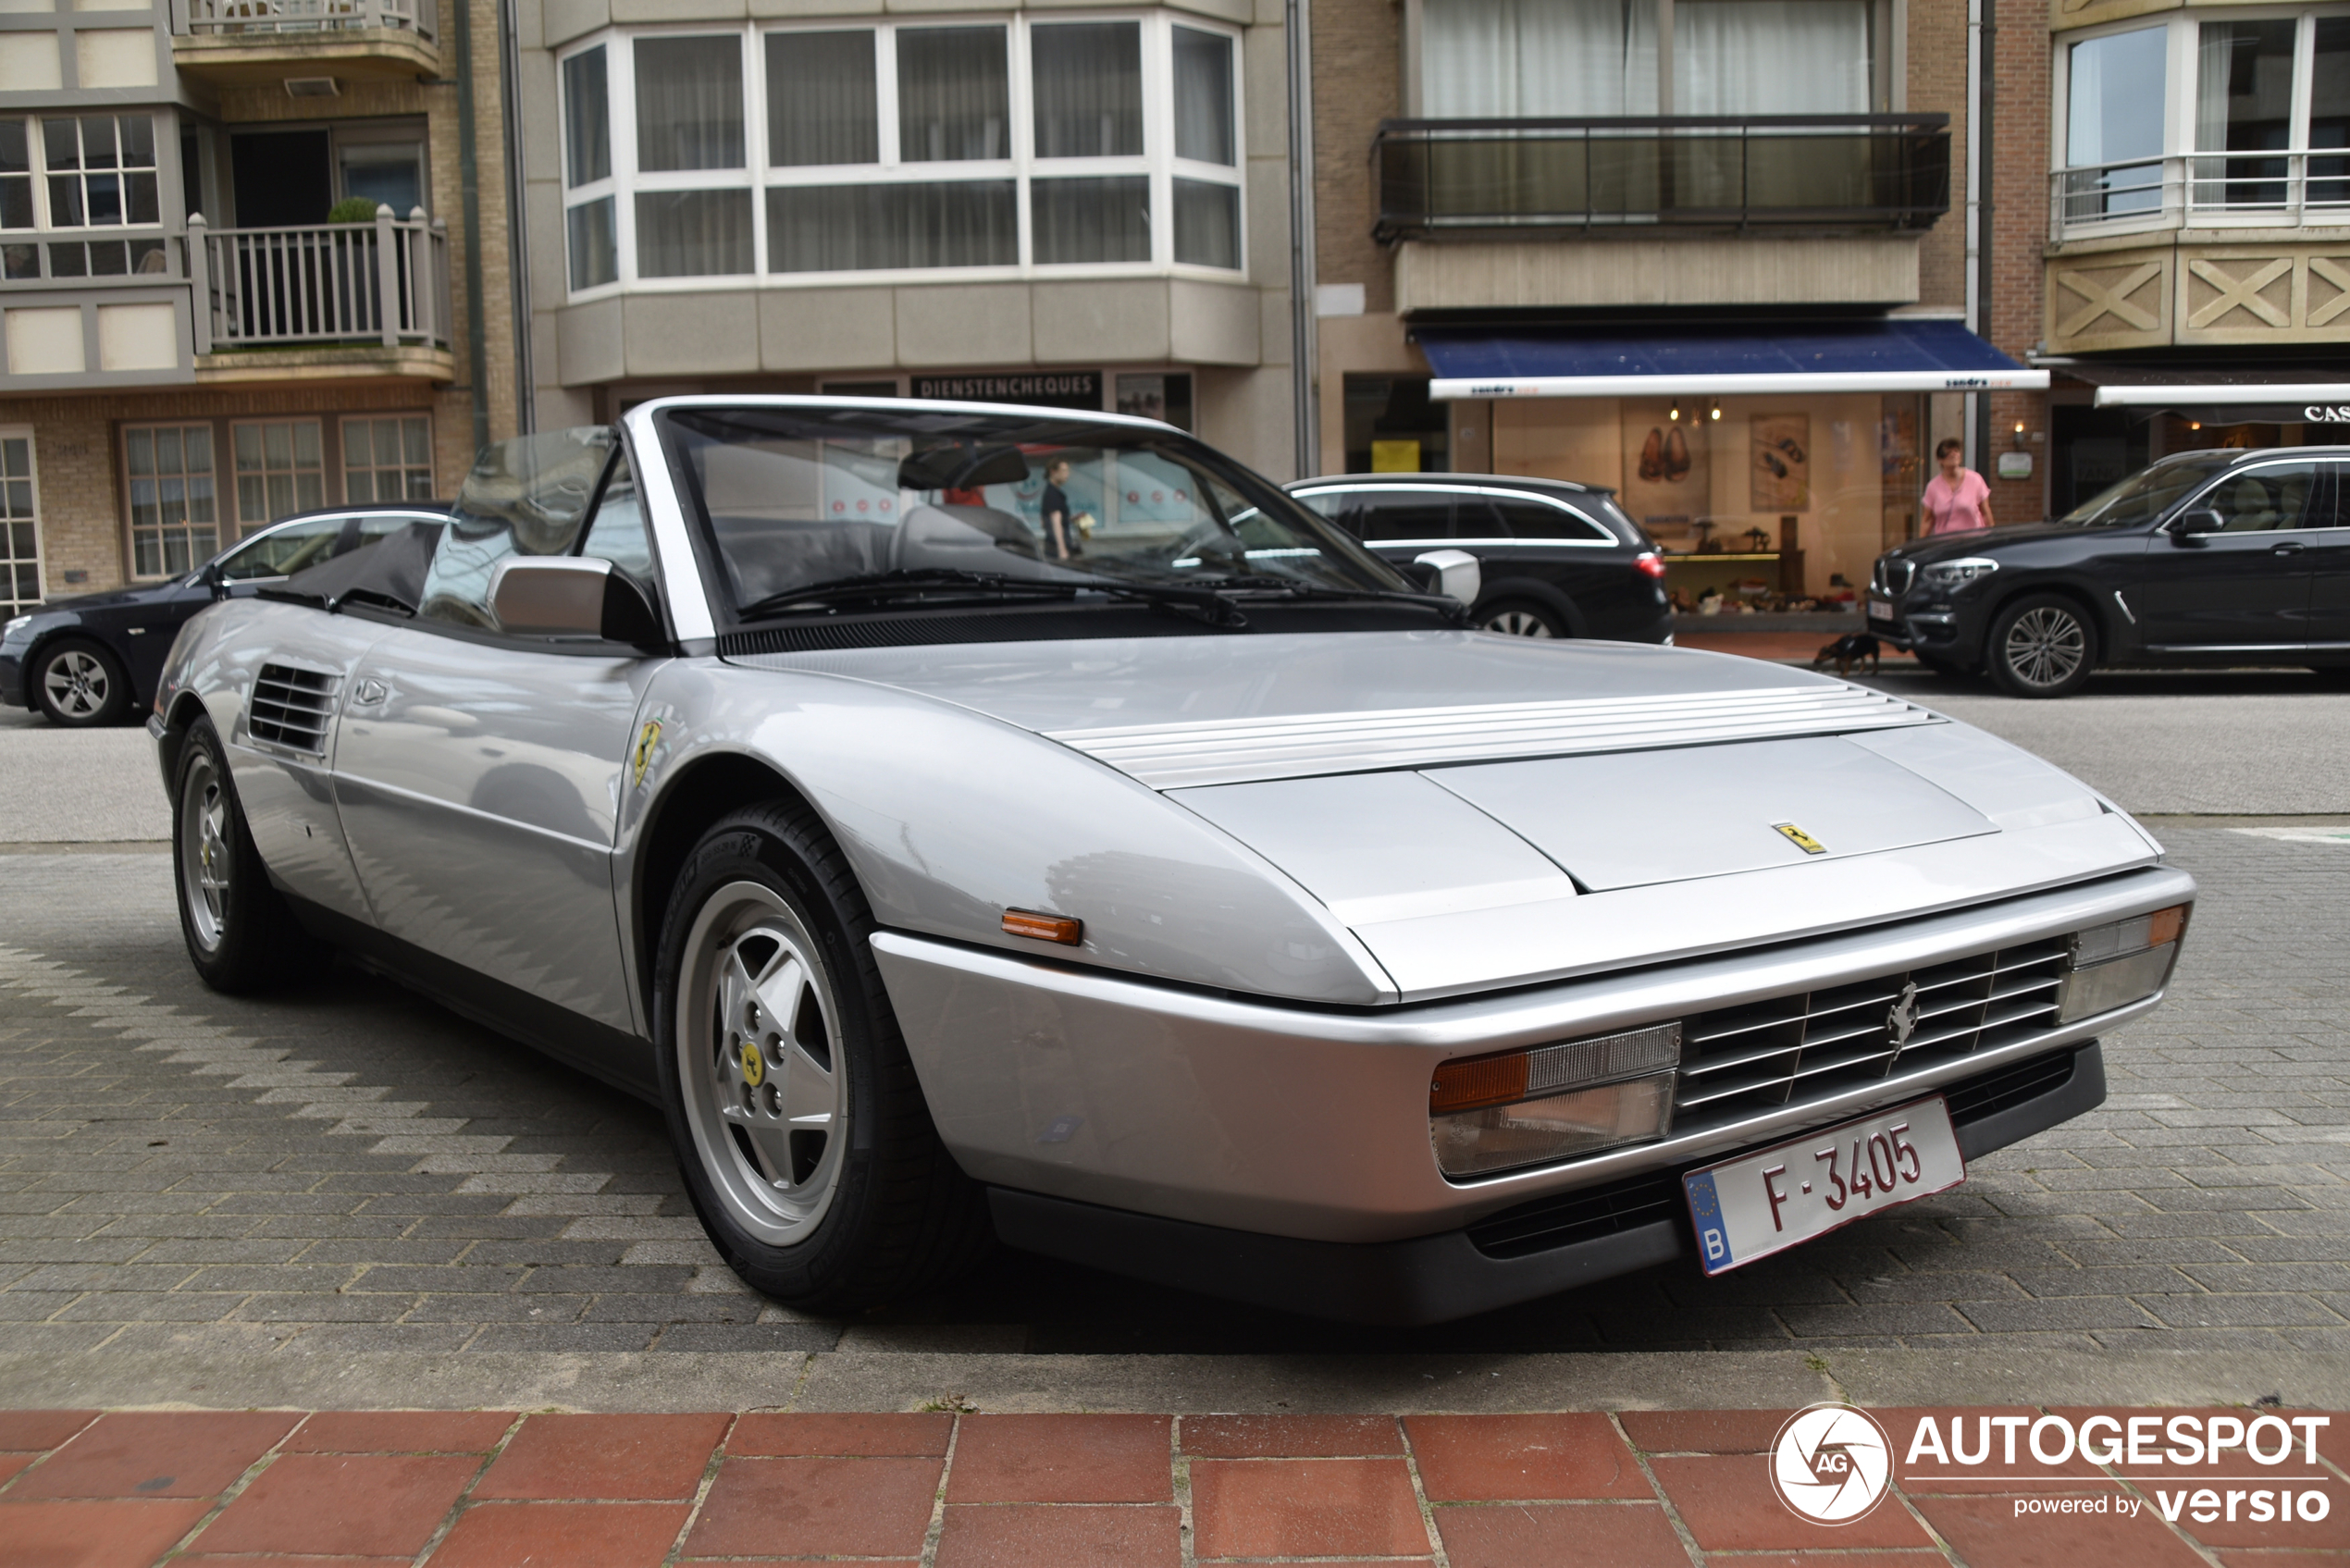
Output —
(2019, 236)
(77, 449)
(1358, 82)
(1937, 85)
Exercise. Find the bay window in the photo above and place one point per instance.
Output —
(2208, 117)
(1101, 143)
(85, 180)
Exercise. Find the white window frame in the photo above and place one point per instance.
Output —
(245, 529)
(39, 546)
(2182, 42)
(1157, 161)
(342, 453)
(46, 231)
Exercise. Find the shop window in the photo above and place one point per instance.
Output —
(1392, 427)
(1148, 395)
(174, 512)
(19, 524)
(904, 146)
(281, 468)
(386, 459)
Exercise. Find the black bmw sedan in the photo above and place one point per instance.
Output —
(1555, 559)
(2205, 558)
(93, 660)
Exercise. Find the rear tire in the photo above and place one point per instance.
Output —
(2041, 646)
(80, 684)
(240, 935)
(799, 1125)
(1521, 618)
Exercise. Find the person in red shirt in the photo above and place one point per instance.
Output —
(1956, 499)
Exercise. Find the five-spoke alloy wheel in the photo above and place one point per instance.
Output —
(2043, 644)
(801, 1130)
(755, 1034)
(240, 935)
(80, 684)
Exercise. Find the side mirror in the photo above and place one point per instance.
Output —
(571, 596)
(2202, 520)
(1456, 572)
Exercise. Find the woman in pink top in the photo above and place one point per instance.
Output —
(1956, 499)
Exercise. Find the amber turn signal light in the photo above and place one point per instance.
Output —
(2165, 925)
(1044, 928)
(1465, 1083)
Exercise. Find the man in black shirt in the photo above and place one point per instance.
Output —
(1060, 523)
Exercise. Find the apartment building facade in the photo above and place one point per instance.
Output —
(2195, 234)
(1713, 253)
(252, 259)
(1082, 207)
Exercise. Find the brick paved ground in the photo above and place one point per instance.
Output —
(1612, 1489)
(355, 1169)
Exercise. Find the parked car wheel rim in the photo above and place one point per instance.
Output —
(1518, 624)
(2045, 646)
(77, 684)
(203, 850)
(759, 1059)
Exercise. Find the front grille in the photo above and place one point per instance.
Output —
(1893, 577)
(1794, 1050)
(291, 708)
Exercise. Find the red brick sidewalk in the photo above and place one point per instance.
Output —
(487, 1490)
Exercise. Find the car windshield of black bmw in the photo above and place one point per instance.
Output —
(813, 508)
(2148, 493)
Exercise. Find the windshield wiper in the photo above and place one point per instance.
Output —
(904, 580)
(1265, 582)
(878, 585)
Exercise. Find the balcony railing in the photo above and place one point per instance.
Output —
(2202, 191)
(215, 18)
(382, 283)
(1845, 171)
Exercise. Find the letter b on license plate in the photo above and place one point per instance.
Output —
(1766, 1203)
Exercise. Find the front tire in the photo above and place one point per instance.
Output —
(2042, 646)
(80, 684)
(799, 1125)
(240, 935)
(1520, 618)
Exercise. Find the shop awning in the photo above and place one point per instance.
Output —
(2225, 394)
(1883, 354)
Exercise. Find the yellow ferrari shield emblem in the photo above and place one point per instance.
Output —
(1801, 839)
(754, 1064)
(646, 738)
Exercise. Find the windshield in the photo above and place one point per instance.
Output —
(797, 499)
(2148, 493)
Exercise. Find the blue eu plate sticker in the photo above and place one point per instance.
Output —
(1705, 1212)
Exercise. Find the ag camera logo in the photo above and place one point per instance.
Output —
(1831, 1464)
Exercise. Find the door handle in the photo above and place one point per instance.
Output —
(2291, 547)
(369, 692)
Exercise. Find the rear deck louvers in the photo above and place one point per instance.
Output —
(291, 708)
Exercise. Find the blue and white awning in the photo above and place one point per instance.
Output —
(1883, 354)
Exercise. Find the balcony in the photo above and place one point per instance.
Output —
(298, 303)
(2235, 250)
(246, 42)
(1524, 177)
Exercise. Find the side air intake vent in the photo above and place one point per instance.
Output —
(291, 708)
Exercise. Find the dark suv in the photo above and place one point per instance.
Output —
(2206, 558)
(1557, 560)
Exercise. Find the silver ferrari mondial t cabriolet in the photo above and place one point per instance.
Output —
(973, 821)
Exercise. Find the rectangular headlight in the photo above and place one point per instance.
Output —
(1553, 1101)
(2122, 962)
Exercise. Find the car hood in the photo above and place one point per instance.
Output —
(1950, 547)
(114, 598)
(1480, 810)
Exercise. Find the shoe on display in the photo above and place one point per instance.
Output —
(1651, 455)
(1676, 456)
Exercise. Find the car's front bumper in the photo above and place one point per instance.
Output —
(13, 690)
(1313, 1124)
(1535, 1249)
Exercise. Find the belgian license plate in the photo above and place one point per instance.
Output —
(1880, 609)
(1750, 1208)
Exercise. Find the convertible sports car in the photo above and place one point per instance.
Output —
(969, 820)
